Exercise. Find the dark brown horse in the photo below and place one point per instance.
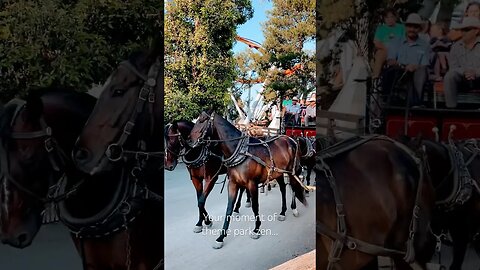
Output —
(460, 219)
(35, 137)
(202, 164)
(123, 135)
(250, 162)
(374, 198)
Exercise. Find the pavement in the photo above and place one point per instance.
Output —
(280, 242)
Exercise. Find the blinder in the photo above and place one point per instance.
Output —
(55, 157)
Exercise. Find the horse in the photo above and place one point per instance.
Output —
(123, 136)
(307, 159)
(35, 136)
(374, 198)
(250, 162)
(202, 164)
(460, 218)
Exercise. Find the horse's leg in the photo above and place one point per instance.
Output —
(283, 190)
(232, 196)
(238, 204)
(294, 202)
(252, 187)
(209, 184)
(248, 204)
(197, 183)
(309, 172)
(460, 241)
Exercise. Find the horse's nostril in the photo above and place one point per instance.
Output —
(81, 154)
(22, 238)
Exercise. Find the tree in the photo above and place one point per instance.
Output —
(69, 44)
(199, 63)
(290, 25)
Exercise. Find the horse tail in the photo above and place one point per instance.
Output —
(294, 180)
(298, 190)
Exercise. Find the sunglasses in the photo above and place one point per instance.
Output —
(468, 29)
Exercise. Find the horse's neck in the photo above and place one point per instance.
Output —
(224, 132)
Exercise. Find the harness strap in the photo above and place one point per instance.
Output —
(355, 244)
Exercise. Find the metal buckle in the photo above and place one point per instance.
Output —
(151, 97)
(49, 144)
(143, 94)
(128, 127)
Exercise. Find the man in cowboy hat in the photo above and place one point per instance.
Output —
(408, 57)
(464, 61)
(310, 112)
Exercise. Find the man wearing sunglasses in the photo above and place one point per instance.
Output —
(464, 61)
(408, 57)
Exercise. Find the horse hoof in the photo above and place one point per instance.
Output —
(307, 194)
(295, 212)
(218, 245)
(255, 235)
(197, 229)
(248, 205)
(281, 217)
(208, 225)
(235, 213)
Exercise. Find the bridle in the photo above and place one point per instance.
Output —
(115, 152)
(56, 156)
(181, 140)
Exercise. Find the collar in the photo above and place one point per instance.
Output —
(477, 41)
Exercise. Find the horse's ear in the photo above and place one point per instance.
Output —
(34, 107)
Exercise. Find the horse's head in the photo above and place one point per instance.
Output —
(124, 116)
(24, 181)
(203, 128)
(176, 135)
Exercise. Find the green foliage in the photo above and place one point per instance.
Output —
(69, 43)
(199, 63)
(290, 25)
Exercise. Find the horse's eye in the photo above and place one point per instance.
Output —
(118, 92)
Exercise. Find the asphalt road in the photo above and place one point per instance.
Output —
(184, 249)
(52, 249)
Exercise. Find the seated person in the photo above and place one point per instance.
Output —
(292, 112)
(440, 46)
(472, 10)
(464, 62)
(310, 112)
(383, 35)
(408, 58)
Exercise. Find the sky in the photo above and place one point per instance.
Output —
(252, 29)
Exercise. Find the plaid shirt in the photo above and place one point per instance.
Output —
(461, 58)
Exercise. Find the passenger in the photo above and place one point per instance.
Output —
(464, 62)
(440, 46)
(408, 57)
(383, 35)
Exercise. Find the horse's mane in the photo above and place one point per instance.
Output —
(176, 122)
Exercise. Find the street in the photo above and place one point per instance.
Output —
(52, 249)
(280, 242)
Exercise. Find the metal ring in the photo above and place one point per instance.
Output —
(352, 245)
(109, 152)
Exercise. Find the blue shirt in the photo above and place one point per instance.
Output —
(414, 53)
